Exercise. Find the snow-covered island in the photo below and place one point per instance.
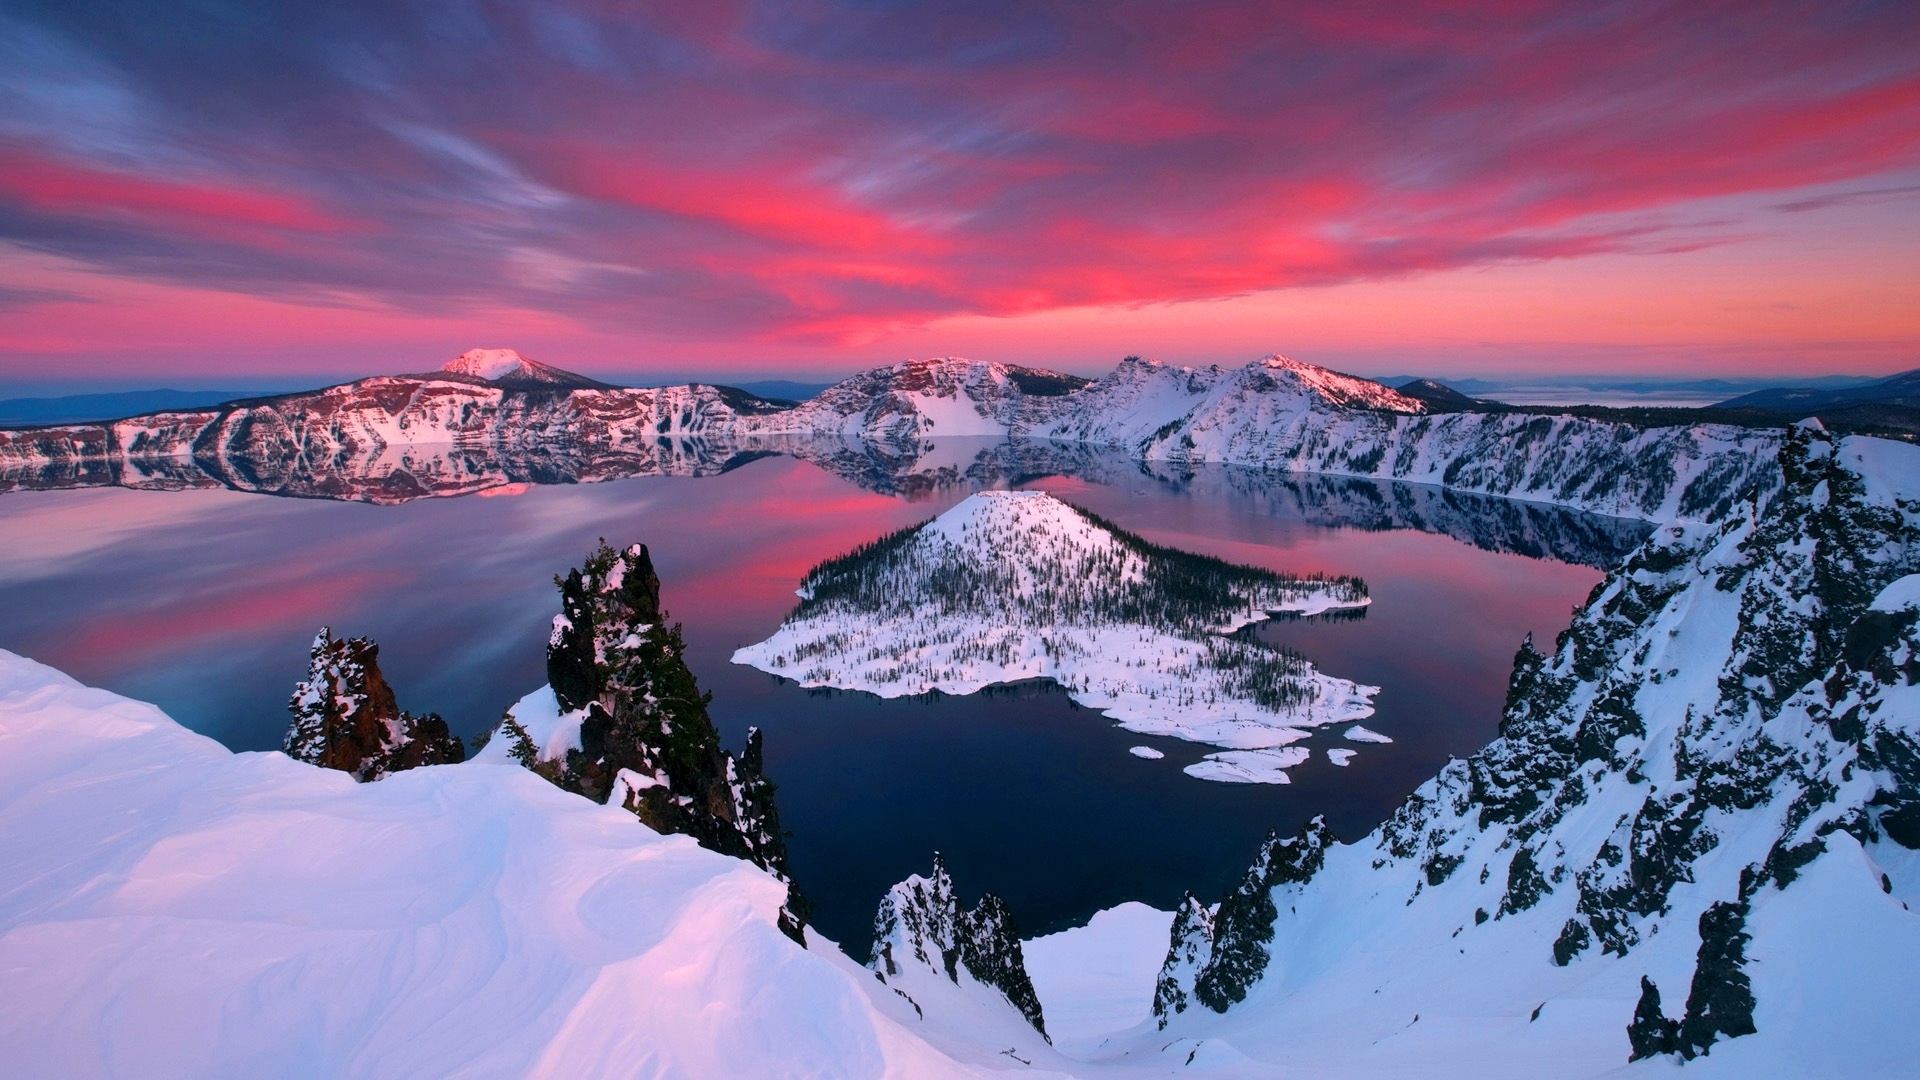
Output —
(1012, 585)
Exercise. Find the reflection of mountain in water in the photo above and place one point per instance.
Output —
(1534, 529)
(402, 473)
(392, 476)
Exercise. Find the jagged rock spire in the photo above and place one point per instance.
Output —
(646, 741)
(1243, 924)
(345, 716)
(1189, 949)
(920, 923)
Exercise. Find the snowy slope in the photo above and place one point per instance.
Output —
(941, 397)
(173, 909)
(1726, 742)
(1284, 415)
(1012, 585)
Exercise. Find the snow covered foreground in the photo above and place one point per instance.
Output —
(169, 908)
(173, 909)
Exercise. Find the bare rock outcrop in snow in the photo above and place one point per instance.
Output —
(625, 722)
(345, 716)
(921, 929)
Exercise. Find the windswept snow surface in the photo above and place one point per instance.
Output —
(1096, 980)
(996, 590)
(171, 909)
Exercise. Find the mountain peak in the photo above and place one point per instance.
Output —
(1337, 388)
(506, 367)
(485, 363)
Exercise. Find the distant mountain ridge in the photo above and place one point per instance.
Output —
(1902, 389)
(89, 408)
(392, 438)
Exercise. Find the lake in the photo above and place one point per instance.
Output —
(204, 601)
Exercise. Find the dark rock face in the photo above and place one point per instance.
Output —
(646, 741)
(920, 922)
(1243, 924)
(1189, 948)
(1651, 1032)
(345, 716)
(1721, 999)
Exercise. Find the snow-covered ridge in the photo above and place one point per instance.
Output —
(391, 438)
(1286, 416)
(940, 397)
(1699, 823)
(1012, 585)
(173, 909)
(417, 433)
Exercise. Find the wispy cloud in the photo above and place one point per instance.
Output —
(761, 171)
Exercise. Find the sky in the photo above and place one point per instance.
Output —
(256, 194)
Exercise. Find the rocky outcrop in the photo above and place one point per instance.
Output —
(345, 716)
(1189, 949)
(645, 740)
(921, 928)
(1243, 921)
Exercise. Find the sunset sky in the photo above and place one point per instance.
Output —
(250, 193)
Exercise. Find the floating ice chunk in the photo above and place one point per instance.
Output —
(1248, 766)
(1147, 752)
(1356, 733)
(1341, 757)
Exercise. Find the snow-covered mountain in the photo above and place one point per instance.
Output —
(507, 368)
(1012, 585)
(942, 397)
(451, 432)
(395, 437)
(1710, 784)
(1282, 415)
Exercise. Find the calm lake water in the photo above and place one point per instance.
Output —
(204, 602)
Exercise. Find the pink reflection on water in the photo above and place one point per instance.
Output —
(194, 622)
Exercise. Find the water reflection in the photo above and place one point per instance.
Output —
(930, 469)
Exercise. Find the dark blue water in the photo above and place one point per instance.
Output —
(204, 602)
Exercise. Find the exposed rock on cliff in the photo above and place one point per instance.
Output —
(921, 928)
(345, 716)
(640, 736)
